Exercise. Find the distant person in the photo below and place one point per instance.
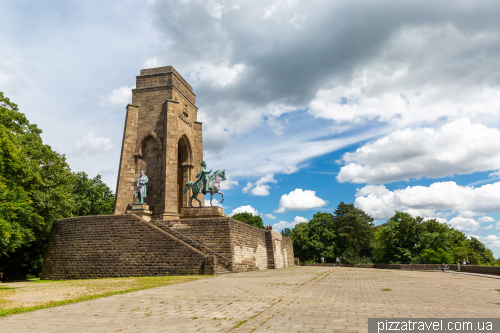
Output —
(267, 227)
(322, 259)
(464, 262)
(444, 268)
(337, 261)
(468, 262)
(270, 227)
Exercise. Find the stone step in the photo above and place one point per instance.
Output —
(222, 263)
(221, 271)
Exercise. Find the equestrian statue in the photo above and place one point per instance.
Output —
(205, 183)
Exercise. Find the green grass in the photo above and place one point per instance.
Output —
(140, 283)
(239, 324)
(386, 289)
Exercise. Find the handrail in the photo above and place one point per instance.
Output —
(192, 240)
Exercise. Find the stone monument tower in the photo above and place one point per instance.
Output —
(162, 137)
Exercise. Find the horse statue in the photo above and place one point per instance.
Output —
(213, 186)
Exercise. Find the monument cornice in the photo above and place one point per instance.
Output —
(163, 86)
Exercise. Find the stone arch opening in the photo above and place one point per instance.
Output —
(149, 160)
(184, 167)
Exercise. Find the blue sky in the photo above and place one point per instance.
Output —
(389, 105)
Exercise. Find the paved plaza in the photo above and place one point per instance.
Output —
(296, 299)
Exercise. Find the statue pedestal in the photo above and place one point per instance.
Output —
(200, 212)
(141, 210)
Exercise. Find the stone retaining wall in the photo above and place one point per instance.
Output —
(117, 246)
(245, 245)
(125, 245)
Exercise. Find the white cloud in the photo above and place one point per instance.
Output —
(464, 224)
(497, 226)
(215, 202)
(399, 87)
(91, 145)
(228, 184)
(245, 209)
(270, 216)
(259, 188)
(289, 169)
(217, 75)
(488, 227)
(491, 241)
(300, 200)
(458, 147)
(118, 97)
(486, 219)
(299, 219)
(285, 224)
(381, 203)
(216, 8)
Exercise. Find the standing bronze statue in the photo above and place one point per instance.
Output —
(141, 187)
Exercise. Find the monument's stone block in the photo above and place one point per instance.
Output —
(162, 137)
(202, 212)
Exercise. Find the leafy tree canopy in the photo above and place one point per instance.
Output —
(249, 218)
(37, 188)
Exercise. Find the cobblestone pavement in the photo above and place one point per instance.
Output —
(298, 299)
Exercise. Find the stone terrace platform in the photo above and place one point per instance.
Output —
(296, 299)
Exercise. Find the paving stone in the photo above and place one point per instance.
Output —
(311, 301)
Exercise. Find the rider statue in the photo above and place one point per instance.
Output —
(141, 187)
(204, 176)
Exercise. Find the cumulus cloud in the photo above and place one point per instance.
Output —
(118, 97)
(491, 241)
(260, 188)
(228, 184)
(90, 145)
(300, 200)
(432, 200)
(381, 66)
(270, 216)
(245, 209)
(486, 219)
(497, 226)
(215, 202)
(285, 224)
(464, 224)
(458, 147)
(488, 227)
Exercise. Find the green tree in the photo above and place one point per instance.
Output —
(92, 196)
(315, 238)
(438, 256)
(286, 232)
(396, 239)
(249, 218)
(35, 190)
(354, 227)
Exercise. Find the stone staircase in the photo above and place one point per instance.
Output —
(224, 264)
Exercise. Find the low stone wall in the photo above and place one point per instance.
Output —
(493, 270)
(117, 246)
